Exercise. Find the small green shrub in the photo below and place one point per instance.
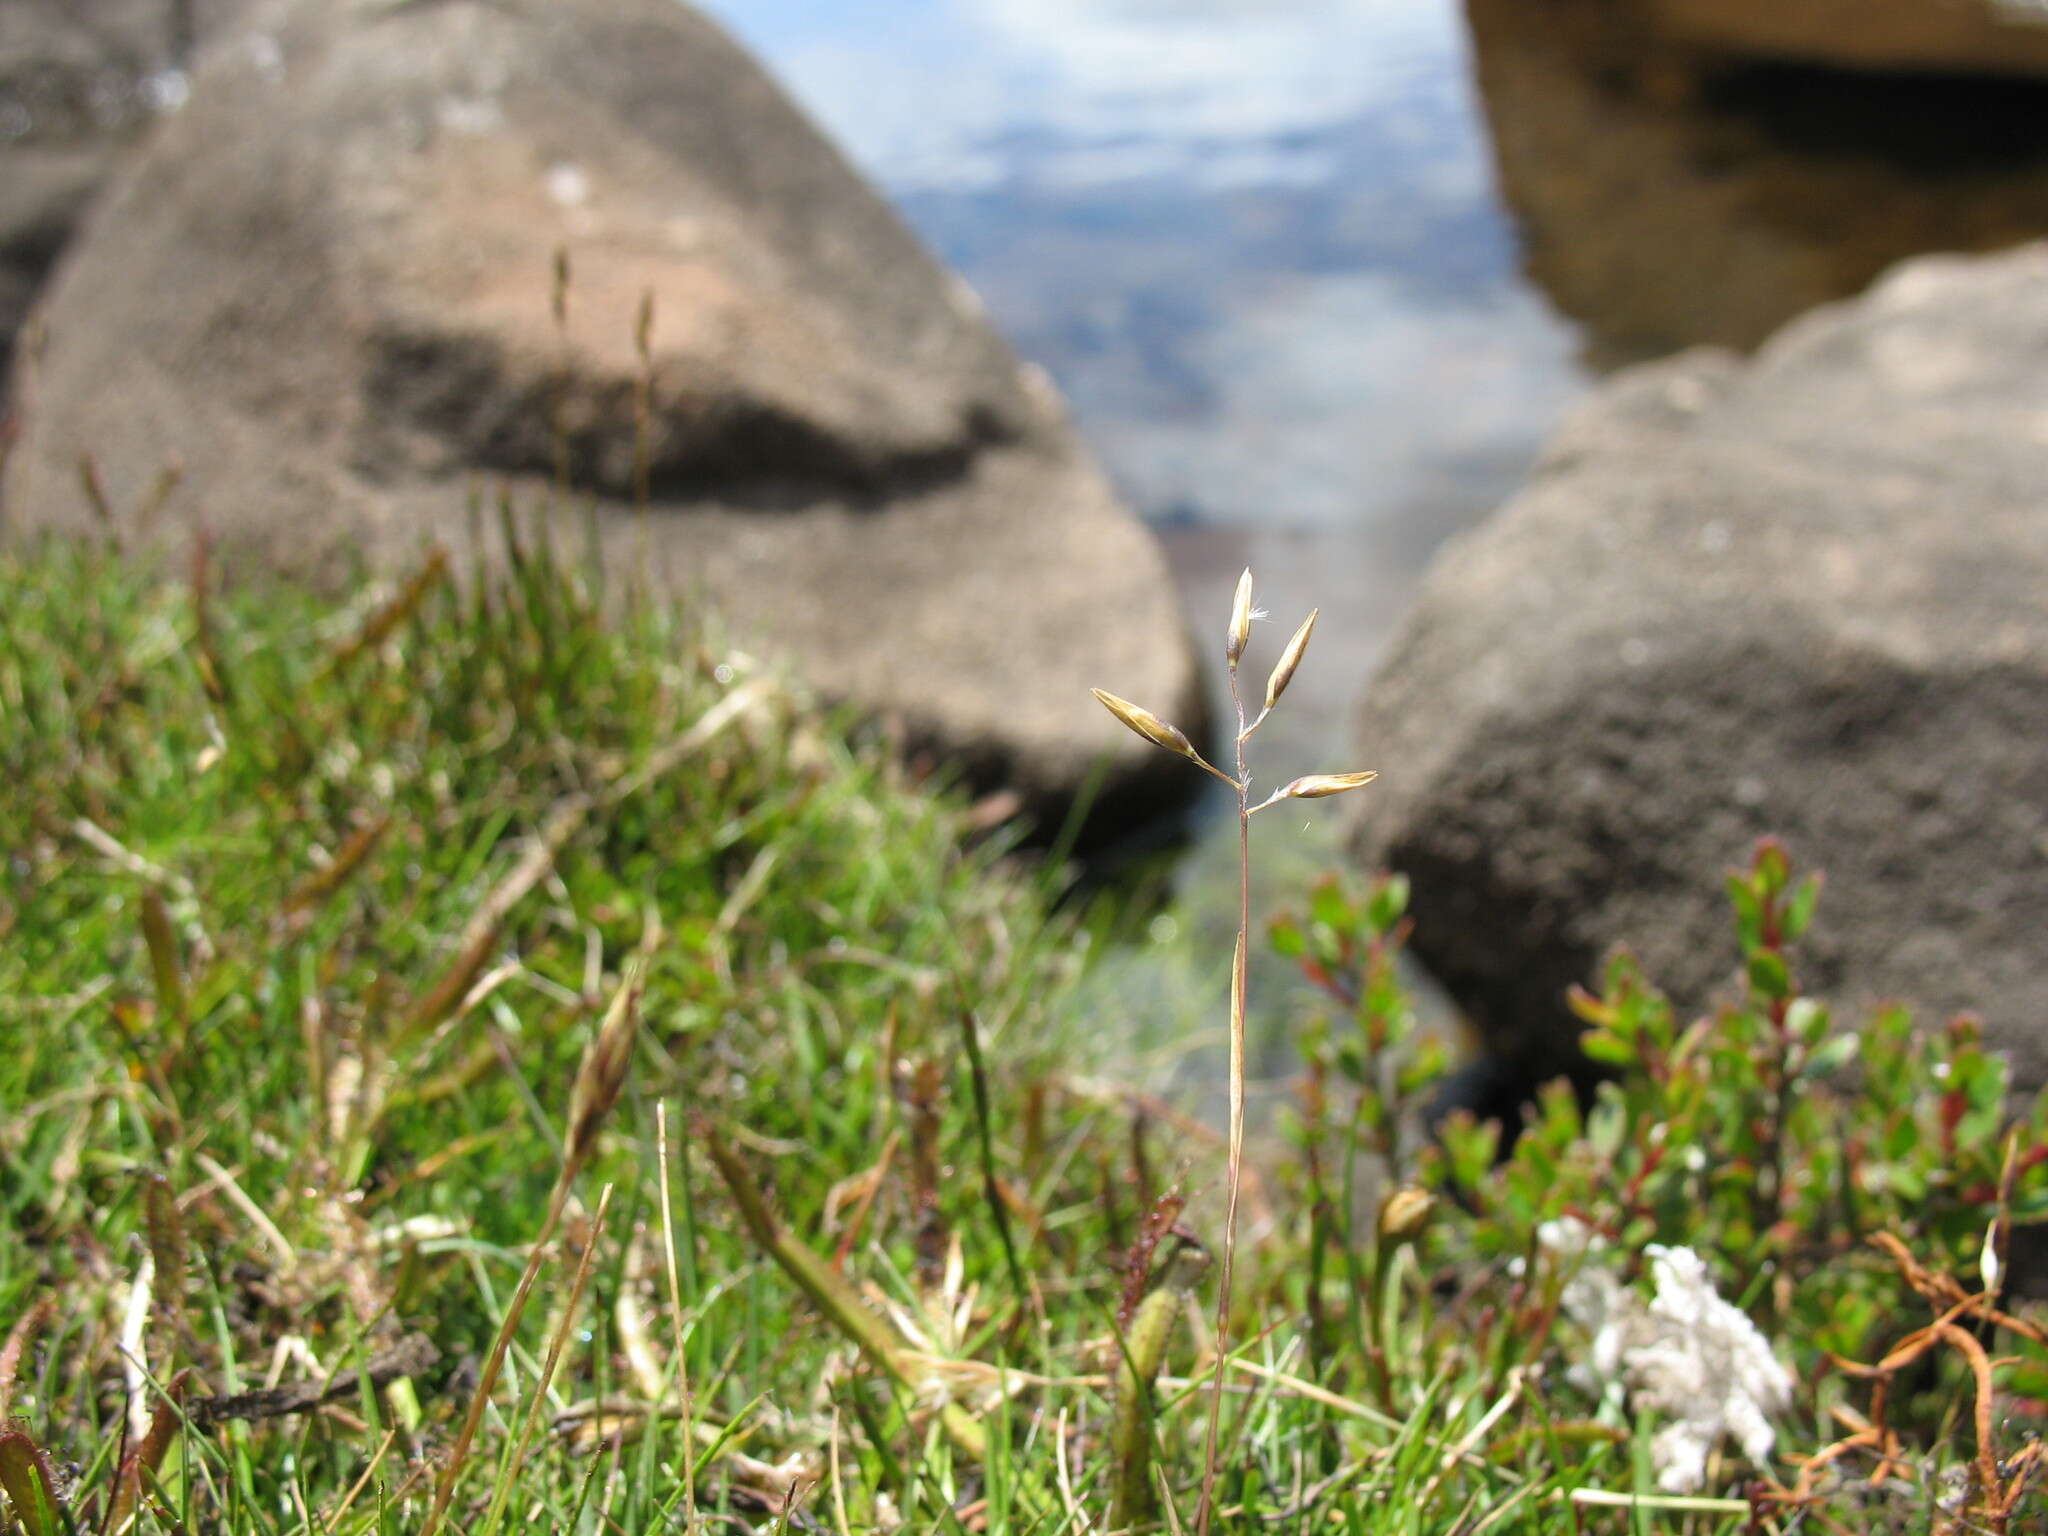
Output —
(1850, 1189)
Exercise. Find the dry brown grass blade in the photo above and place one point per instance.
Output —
(671, 754)
(213, 675)
(862, 1189)
(412, 1355)
(151, 507)
(597, 1088)
(480, 933)
(164, 1227)
(165, 968)
(930, 1233)
(30, 1485)
(19, 1337)
(94, 488)
(146, 1457)
(530, 1421)
(831, 1292)
(317, 888)
(383, 623)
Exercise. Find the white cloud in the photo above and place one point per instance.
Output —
(1231, 68)
(926, 93)
(1346, 399)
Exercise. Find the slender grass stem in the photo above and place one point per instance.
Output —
(685, 1402)
(1312, 787)
(1235, 1176)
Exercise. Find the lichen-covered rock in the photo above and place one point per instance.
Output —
(327, 290)
(1807, 596)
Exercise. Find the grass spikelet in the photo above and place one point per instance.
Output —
(165, 1228)
(1156, 730)
(1316, 786)
(1290, 659)
(165, 968)
(604, 1070)
(1240, 632)
(95, 490)
(403, 604)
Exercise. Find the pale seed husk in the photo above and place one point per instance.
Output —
(1405, 1213)
(1240, 619)
(1283, 672)
(1316, 786)
(1147, 724)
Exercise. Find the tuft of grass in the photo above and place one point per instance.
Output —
(297, 980)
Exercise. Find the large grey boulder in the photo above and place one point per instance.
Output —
(1670, 193)
(324, 290)
(80, 80)
(1975, 36)
(1805, 596)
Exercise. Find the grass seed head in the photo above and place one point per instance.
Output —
(1240, 620)
(1317, 786)
(1147, 724)
(1283, 671)
(1405, 1213)
(603, 1072)
(643, 329)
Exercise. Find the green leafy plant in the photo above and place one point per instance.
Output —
(1836, 1182)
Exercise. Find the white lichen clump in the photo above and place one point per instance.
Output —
(1687, 1354)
